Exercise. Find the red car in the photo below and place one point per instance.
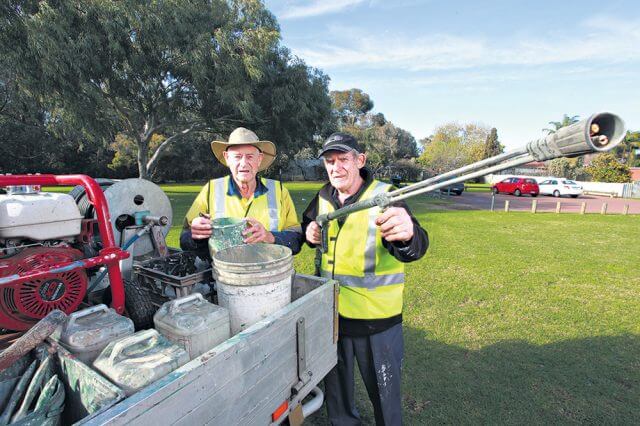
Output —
(517, 186)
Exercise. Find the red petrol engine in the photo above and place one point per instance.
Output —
(22, 305)
(46, 249)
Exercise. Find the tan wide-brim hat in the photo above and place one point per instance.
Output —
(242, 136)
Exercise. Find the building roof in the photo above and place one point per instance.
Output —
(534, 165)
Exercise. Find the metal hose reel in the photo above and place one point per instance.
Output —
(130, 196)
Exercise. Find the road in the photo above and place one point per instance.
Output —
(482, 201)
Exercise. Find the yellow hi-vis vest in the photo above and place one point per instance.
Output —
(263, 208)
(371, 279)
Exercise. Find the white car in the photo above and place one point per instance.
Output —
(559, 187)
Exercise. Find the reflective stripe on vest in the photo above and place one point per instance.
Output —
(220, 192)
(369, 281)
(370, 247)
(371, 278)
(220, 187)
(274, 217)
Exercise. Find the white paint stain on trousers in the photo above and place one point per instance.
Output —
(384, 375)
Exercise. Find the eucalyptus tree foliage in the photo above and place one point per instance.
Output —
(351, 105)
(170, 67)
(295, 108)
(383, 142)
(454, 145)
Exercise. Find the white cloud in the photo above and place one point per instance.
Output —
(316, 8)
(602, 40)
(478, 79)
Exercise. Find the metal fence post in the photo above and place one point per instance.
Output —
(493, 200)
(506, 206)
(534, 206)
(583, 208)
(604, 208)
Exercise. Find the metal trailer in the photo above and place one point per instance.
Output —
(259, 376)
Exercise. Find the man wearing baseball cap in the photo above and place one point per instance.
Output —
(366, 255)
(265, 203)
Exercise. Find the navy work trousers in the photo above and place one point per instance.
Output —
(379, 358)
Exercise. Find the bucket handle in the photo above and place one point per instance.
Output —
(122, 344)
(175, 304)
(86, 312)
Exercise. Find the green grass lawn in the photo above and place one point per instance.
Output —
(511, 318)
(477, 187)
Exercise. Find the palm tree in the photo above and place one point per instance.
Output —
(566, 121)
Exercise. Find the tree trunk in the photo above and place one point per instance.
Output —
(151, 163)
(143, 154)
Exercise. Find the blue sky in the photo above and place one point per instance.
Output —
(513, 65)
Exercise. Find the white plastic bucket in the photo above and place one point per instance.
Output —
(253, 281)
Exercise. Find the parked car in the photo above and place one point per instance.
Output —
(454, 188)
(396, 181)
(517, 186)
(559, 187)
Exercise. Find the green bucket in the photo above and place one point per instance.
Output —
(226, 232)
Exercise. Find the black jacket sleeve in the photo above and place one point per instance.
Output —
(309, 215)
(413, 249)
(200, 247)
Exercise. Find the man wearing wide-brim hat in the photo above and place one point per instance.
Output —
(265, 203)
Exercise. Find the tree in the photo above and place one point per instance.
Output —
(492, 146)
(141, 68)
(632, 140)
(350, 105)
(383, 142)
(571, 168)
(627, 150)
(453, 145)
(408, 170)
(566, 121)
(34, 139)
(606, 168)
(294, 105)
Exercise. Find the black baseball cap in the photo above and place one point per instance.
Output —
(339, 141)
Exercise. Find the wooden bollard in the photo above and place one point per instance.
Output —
(506, 206)
(558, 206)
(603, 210)
(534, 206)
(583, 208)
(625, 211)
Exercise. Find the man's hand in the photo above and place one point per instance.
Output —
(201, 227)
(313, 233)
(257, 233)
(395, 224)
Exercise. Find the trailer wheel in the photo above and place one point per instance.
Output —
(138, 306)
